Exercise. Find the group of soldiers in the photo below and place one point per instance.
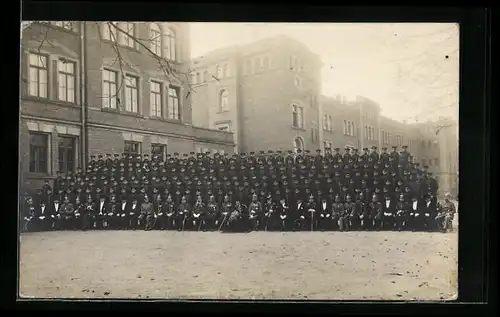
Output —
(259, 191)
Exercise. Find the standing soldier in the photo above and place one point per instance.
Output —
(384, 156)
(88, 213)
(394, 159)
(374, 154)
(376, 213)
(148, 213)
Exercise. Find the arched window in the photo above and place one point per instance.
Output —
(298, 144)
(223, 100)
(155, 38)
(170, 44)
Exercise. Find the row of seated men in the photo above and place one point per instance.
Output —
(343, 213)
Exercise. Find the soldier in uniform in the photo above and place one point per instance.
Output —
(429, 214)
(389, 212)
(283, 210)
(446, 214)
(133, 213)
(325, 214)
(197, 217)
(255, 214)
(311, 219)
(169, 214)
(376, 213)
(300, 214)
(183, 211)
(402, 213)
(270, 219)
(148, 213)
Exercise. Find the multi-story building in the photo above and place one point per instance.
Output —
(90, 88)
(265, 92)
(268, 94)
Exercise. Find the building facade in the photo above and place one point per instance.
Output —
(266, 93)
(93, 88)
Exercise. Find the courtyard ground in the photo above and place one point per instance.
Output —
(257, 265)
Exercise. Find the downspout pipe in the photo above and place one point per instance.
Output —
(83, 96)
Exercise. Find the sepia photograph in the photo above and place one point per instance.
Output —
(238, 161)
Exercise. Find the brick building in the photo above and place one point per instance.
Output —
(265, 92)
(87, 88)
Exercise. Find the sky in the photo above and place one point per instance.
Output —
(410, 69)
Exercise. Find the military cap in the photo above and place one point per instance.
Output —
(100, 156)
(394, 147)
(355, 150)
(405, 146)
(374, 147)
(425, 166)
(430, 174)
(299, 151)
(365, 149)
(384, 148)
(252, 153)
(270, 151)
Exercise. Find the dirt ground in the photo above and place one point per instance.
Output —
(257, 265)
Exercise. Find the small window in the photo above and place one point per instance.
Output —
(132, 148)
(131, 94)
(68, 25)
(155, 38)
(173, 103)
(127, 37)
(39, 152)
(170, 44)
(38, 75)
(109, 31)
(67, 154)
(109, 91)
(66, 80)
(297, 116)
(298, 144)
(223, 127)
(156, 99)
(223, 100)
(159, 150)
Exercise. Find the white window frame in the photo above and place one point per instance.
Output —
(349, 128)
(225, 126)
(174, 113)
(65, 77)
(39, 68)
(295, 148)
(170, 46)
(68, 25)
(131, 101)
(127, 38)
(153, 99)
(109, 31)
(223, 100)
(109, 99)
(298, 111)
(156, 39)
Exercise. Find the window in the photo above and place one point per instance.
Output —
(327, 122)
(159, 150)
(314, 132)
(170, 45)
(38, 75)
(257, 66)
(131, 93)
(297, 82)
(265, 63)
(222, 127)
(127, 38)
(68, 25)
(173, 103)
(399, 140)
(155, 38)
(327, 146)
(436, 161)
(429, 144)
(156, 99)
(226, 70)
(223, 100)
(67, 154)
(298, 144)
(298, 116)
(109, 89)
(206, 75)
(369, 133)
(66, 80)
(294, 63)
(198, 78)
(248, 66)
(349, 128)
(132, 148)
(109, 31)
(38, 152)
(218, 71)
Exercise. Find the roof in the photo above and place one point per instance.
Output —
(277, 40)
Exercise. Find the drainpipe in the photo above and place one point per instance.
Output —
(83, 96)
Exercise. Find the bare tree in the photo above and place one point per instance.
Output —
(168, 70)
